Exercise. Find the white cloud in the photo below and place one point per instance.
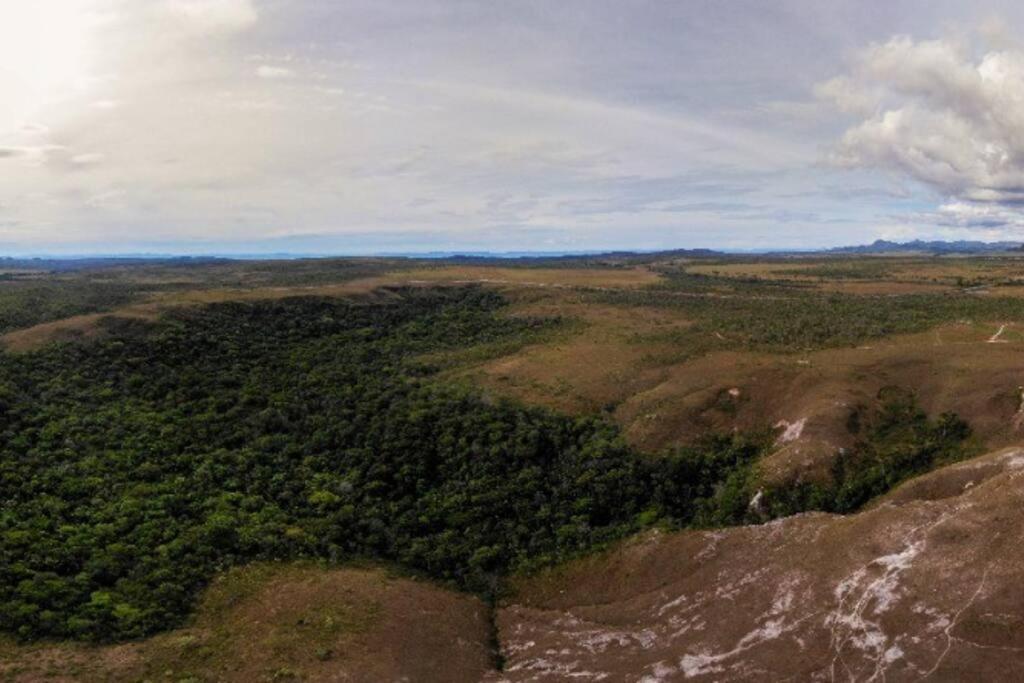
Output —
(106, 199)
(87, 159)
(33, 154)
(848, 95)
(970, 215)
(272, 72)
(483, 127)
(215, 15)
(934, 111)
(1000, 222)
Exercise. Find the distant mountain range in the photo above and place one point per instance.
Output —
(69, 263)
(48, 262)
(931, 247)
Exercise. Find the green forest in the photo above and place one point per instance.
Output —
(37, 291)
(136, 466)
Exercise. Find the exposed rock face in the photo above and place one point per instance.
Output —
(928, 584)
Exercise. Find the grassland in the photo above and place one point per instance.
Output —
(828, 272)
(660, 358)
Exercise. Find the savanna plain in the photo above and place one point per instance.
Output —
(622, 467)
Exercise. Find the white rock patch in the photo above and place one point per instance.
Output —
(791, 430)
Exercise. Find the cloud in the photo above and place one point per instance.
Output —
(106, 199)
(214, 15)
(476, 125)
(933, 111)
(87, 159)
(272, 72)
(970, 215)
(35, 154)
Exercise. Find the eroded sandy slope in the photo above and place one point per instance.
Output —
(927, 585)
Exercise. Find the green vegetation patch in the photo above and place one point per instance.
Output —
(77, 287)
(134, 468)
(27, 303)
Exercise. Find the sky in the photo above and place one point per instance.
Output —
(384, 126)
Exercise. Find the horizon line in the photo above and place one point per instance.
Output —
(477, 253)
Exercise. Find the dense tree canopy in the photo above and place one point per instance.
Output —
(134, 468)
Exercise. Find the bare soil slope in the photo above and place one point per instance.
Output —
(927, 585)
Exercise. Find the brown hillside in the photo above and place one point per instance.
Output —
(927, 585)
(290, 623)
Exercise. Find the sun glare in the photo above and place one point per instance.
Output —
(45, 50)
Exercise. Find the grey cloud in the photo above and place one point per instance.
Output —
(958, 214)
(712, 207)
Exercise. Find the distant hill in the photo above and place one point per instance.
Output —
(491, 256)
(603, 258)
(70, 263)
(932, 247)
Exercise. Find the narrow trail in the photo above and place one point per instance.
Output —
(995, 338)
